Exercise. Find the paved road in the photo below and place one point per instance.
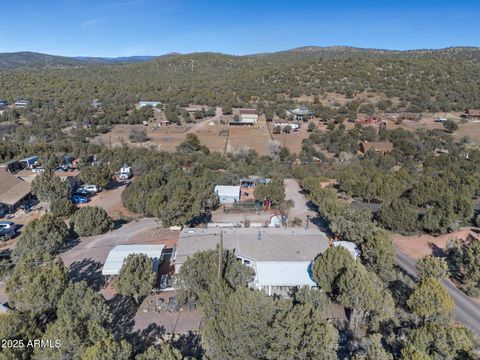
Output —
(467, 311)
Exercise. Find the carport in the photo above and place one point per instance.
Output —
(119, 253)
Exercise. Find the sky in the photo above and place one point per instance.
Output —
(113, 28)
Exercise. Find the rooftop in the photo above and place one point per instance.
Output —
(227, 190)
(283, 273)
(257, 244)
(12, 188)
(119, 253)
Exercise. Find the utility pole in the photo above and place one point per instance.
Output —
(220, 255)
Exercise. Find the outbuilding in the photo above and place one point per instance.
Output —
(117, 256)
(227, 194)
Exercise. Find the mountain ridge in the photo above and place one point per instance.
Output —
(27, 59)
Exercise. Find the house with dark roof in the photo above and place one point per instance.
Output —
(281, 258)
(13, 191)
(471, 114)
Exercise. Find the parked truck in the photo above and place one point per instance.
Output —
(125, 172)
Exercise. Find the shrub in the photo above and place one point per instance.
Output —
(89, 221)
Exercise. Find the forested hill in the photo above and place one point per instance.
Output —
(37, 60)
(293, 56)
(417, 83)
(45, 61)
(346, 52)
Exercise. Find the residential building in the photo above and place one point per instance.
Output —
(3, 103)
(301, 113)
(246, 117)
(144, 103)
(22, 103)
(372, 121)
(471, 114)
(281, 258)
(227, 194)
(13, 191)
(283, 125)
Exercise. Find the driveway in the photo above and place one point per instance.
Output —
(467, 311)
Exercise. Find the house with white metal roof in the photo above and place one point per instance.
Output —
(280, 257)
(227, 194)
(116, 257)
(144, 103)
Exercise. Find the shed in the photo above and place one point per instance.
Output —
(275, 277)
(119, 253)
(227, 194)
(349, 246)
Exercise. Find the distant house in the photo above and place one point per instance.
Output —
(22, 103)
(471, 114)
(281, 259)
(411, 116)
(144, 103)
(96, 104)
(253, 181)
(3, 103)
(227, 194)
(283, 125)
(301, 113)
(11, 166)
(13, 191)
(246, 117)
(372, 121)
(440, 119)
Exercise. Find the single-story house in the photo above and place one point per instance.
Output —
(248, 116)
(143, 103)
(372, 121)
(227, 194)
(22, 103)
(11, 166)
(301, 113)
(253, 181)
(283, 125)
(116, 257)
(3, 102)
(471, 114)
(13, 191)
(280, 257)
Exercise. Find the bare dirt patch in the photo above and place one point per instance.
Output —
(418, 246)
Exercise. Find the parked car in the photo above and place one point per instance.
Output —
(7, 233)
(78, 199)
(91, 188)
(82, 192)
(7, 225)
